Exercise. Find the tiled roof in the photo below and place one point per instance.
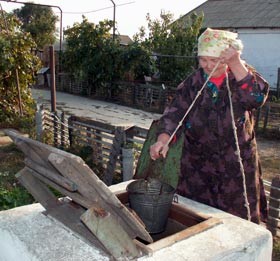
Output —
(239, 13)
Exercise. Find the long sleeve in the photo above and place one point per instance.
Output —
(252, 91)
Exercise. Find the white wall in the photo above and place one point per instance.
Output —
(261, 50)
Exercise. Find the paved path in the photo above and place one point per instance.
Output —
(97, 110)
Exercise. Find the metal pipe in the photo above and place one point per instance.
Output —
(114, 20)
(53, 87)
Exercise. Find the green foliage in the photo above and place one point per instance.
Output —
(17, 64)
(16, 197)
(166, 39)
(276, 249)
(12, 194)
(275, 99)
(136, 60)
(90, 52)
(39, 21)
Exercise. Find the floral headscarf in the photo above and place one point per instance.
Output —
(212, 42)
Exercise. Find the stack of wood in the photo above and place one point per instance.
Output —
(273, 223)
(88, 206)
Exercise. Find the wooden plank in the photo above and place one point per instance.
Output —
(89, 123)
(27, 150)
(105, 227)
(115, 152)
(37, 189)
(55, 177)
(76, 197)
(136, 131)
(191, 231)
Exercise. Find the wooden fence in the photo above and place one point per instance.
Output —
(268, 119)
(111, 150)
(150, 96)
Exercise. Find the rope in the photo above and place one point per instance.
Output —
(238, 150)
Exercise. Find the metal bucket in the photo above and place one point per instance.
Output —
(151, 199)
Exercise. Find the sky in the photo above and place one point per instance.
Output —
(130, 15)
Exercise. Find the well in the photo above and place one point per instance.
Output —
(101, 217)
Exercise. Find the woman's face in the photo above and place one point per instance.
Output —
(207, 63)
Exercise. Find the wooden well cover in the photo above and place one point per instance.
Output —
(104, 214)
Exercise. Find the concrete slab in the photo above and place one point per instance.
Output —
(27, 234)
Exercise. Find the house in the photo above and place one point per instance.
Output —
(124, 40)
(258, 24)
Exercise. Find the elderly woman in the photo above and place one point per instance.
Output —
(212, 171)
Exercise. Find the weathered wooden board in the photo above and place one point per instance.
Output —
(76, 197)
(167, 169)
(106, 228)
(38, 189)
(58, 179)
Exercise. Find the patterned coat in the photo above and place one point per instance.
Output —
(210, 171)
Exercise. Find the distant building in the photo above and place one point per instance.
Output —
(124, 40)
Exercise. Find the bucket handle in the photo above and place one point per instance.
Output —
(175, 199)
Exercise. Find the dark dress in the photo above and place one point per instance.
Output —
(210, 170)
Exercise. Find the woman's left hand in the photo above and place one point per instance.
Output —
(230, 56)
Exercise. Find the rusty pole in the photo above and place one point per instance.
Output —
(19, 94)
(53, 87)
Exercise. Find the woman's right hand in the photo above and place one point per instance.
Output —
(160, 148)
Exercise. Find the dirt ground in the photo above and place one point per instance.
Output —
(269, 152)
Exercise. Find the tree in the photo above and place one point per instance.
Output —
(39, 21)
(173, 44)
(16, 59)
(136, 60)
(91, 54)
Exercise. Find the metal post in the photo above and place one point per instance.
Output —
(39, 123)
(53, 88)
(114, 20)
(278, 84)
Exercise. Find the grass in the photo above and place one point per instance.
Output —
(276, 249)
(12, 193)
